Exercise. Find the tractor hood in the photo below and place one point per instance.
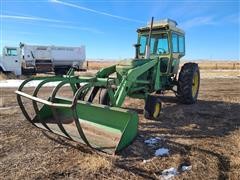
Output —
(124, 66)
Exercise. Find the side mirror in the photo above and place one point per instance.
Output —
(5, 52)
(136, 50)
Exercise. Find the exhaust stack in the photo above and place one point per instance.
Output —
(147, 52)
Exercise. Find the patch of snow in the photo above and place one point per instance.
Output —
(17, 82)
(162, 152)
(169, 173)
(152, 141)
(14, 83)
(146, 160)
(10, 83)
(186, 168)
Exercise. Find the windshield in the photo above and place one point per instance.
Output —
(158, 43)
(11, 52)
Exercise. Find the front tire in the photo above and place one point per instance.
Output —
(104, 97)
(152, 109)
(188, 83)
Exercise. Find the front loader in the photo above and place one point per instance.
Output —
(105, 125)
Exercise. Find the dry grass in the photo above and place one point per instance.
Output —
(3, 76)
(221, 73)
(94, 163)
(205, 134)
(219, 65)
(95, 65)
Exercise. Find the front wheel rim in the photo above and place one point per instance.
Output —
(157, 110)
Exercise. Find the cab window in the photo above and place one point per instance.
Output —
(175, 43)
(11, 52)
(152, 43)
(158, 43)
(178, 43)
(143, 42)
(181, 44)
(162, 47)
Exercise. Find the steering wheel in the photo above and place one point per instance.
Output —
(161, 51)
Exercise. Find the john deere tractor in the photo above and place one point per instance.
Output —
(105, 125)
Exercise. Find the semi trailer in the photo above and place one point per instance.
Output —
(31, 59)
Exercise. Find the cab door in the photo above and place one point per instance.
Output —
(11, 60)
(178, 50)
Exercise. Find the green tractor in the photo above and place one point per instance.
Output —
(105, 125)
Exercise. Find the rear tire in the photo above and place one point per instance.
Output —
(61, 71)
(188, 83)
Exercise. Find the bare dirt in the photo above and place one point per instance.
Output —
(205, 135)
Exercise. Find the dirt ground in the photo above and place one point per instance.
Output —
(205, 135)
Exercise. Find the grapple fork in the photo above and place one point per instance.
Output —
(105, 128)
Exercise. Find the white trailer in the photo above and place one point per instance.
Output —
(31, 59)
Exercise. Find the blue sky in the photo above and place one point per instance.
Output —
(108, 28)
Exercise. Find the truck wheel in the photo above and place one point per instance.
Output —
(61, 71)
(188, 83)
(1, 70)
(152, 108)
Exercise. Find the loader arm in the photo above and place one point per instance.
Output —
(105, 72)
(130, 79)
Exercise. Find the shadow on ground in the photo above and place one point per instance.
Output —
(201, 121)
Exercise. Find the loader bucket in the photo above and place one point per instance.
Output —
(105, 128)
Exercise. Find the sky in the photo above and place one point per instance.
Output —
(108, 28)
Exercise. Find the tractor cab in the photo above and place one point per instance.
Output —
(167, 42)
(165, 37)
(161, 40)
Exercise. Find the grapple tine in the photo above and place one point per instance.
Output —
(54, 92)
(75, 116)
(19, 100)
(35, 106)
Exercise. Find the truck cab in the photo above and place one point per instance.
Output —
(10, 60)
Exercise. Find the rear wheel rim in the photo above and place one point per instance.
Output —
(195, 83)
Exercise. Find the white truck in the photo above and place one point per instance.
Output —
(31, 59)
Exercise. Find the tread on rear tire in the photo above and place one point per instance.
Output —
(187, 89)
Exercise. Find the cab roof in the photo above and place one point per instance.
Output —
(165, 24)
